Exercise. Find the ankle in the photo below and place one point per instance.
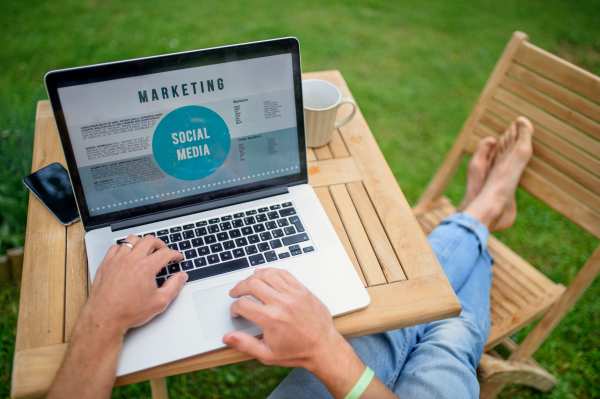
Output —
(487, 212)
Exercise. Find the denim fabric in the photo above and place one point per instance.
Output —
(438, 359)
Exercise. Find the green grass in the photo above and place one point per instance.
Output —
(416, 70)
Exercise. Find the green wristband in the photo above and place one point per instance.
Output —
(362, 384)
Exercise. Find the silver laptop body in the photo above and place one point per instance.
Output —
(206, 151)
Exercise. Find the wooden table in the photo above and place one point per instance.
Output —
(361, 197)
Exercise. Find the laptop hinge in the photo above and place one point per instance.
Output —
(205, 206)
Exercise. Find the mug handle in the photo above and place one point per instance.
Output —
(346, 120)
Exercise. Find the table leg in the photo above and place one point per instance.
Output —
(158, 386)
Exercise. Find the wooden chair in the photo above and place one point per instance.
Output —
(562, 102)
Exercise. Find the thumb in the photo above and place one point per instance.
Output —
(248, 345)
(173, 285)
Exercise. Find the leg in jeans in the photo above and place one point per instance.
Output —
(460, 244)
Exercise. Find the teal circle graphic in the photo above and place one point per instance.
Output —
(191, 142)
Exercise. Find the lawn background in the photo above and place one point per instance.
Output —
(415, 69)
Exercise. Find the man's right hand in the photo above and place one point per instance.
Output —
(298, 332)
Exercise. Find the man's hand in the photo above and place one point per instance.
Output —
(124, 295)
(297, 327)
(298, 332)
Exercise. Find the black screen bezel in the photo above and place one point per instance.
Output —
(171, 62)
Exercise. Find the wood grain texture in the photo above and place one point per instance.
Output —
(511, 288)
(548, 154)
(158, 387)
(552, 106)
(563, 203)
(337, 145)
(76, 279)
(564, 73)
(584, 278)
(41, 307)
(546, 137)
(357, 236)
(323, 152)
(401, 227)
(558, 92)
(381, 244)
(516, 321)
(332, 171)
(550, 122)
(34, 370)
(334, 217)
(310, 155)
(494, 370)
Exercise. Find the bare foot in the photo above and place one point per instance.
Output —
(478, 170)
(495, 206)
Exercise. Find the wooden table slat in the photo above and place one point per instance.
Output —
(337, 145)
(357, 235)
(41, 307)
(334, 217)
(76, 284)
(323, 152)
(332, 171)
(381, 244)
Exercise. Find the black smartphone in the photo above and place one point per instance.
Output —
(52, 186)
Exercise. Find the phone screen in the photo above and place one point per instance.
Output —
(53, 187)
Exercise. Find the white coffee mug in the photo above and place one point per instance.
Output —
(321, 102)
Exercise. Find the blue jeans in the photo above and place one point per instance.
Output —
(438, 359)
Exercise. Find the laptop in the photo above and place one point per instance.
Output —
(206, 151)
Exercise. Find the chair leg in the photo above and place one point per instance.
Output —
(490, 391)
(158, 386)
(493, 370)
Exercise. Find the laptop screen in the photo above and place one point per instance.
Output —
(169, 137)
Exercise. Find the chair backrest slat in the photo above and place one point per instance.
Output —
(567, 167)
(548, 121)
(548, 87)
(552, 106)
(561, 146)
(562, 72)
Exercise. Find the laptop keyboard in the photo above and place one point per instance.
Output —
(234, 241)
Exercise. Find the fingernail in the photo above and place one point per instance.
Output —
(184, 276)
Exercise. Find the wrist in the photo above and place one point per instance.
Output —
(92, 323)
(337, 366)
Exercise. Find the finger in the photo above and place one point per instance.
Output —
(289, 278)
(124, 249)
(257, 288)
(111, 251)
(274, 279)
(249, 345)
(251, 310)
(146, 246)
(172, 286)
(160, 258)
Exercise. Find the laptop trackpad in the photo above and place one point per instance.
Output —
(213, 306)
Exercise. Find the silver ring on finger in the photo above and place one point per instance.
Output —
(127, 244)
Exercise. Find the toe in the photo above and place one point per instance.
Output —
(524, 127)
(485, 145)
(493, 151)
(512, 134)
